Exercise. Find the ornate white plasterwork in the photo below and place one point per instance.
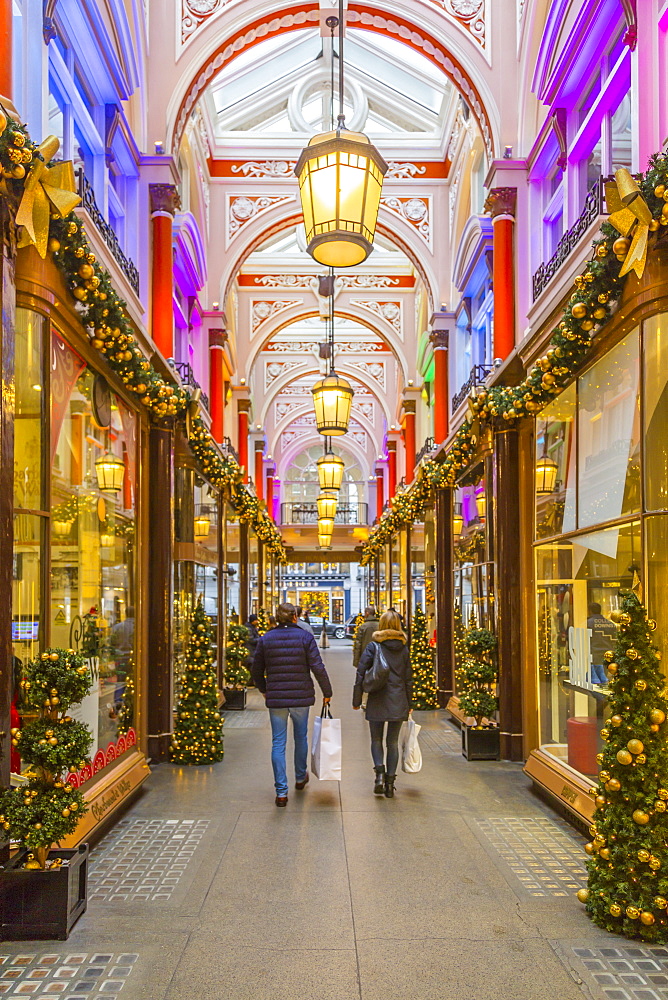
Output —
(265, 168)
(454, 187)
(365, 281)
(366, 409)
(194, 13)
(470, 14)
(283, 407)
(374, 370)
(388, 311)
(242, 208)
(264, 309)
(415, 211)
(287, 280)
(403, 171)
(275, 369)
(306, 346)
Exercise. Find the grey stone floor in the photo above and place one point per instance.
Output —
(461, 887)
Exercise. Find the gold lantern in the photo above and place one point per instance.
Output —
(61, 528)
(457, 519)
(325, 525)
(327, 503)
(546, 470)
(330, 471)
(324, 541)
(110, 472)
(202, 526)
(332, 398)
(481, 505)
(107, 540)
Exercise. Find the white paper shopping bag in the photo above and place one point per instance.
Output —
(326, 747)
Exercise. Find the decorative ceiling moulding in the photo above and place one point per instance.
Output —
(399, 170)
(294, 379)
(342, 347)
(264, 309)
(364, 17)
(390, 312)
(345, 282)
(415, 211)
(242, 208)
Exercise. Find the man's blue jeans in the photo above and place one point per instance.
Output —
(279, 734)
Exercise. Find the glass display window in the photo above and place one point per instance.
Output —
(556, 466)
(655, 356)
(579, 581)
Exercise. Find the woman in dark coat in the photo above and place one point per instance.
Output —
(392, 703)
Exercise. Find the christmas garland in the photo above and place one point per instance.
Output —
(641, 214)
(102, 312)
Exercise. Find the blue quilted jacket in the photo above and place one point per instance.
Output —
(284, 659)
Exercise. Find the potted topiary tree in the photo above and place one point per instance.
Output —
(478, 698)
(237, 674)
(42, 889)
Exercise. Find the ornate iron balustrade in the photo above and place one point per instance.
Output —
(87, 195)
(477, 377)
(594, 205)
(426, 449)
(307, 513)
(187, 376)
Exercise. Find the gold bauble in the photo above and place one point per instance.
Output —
(647, 918)
(3, 122)
(651, 625)
(640, 817)
(616, 720)
(663, 794)
(644, 855)
(660, 902)
(600, 801)
(603, 777)
(80, 293)
(653, 728)
(86, 272)
(53, 656)
(632, 912)
(602, 250)
(600, 313)
(621, 246)
(640, 685)
(579, 310)
(583, 895)
(600, 757)
(589, 848)
(654, 864)
(624, 757)
(641, 759)
(632, 653)
(65, 813)
(635, 746)
(660, 806)
(653, 225)
(612, 668)
(587, 324)
(605, 853)
(615, 910)
(659, 190)
(657, 716)
(608, 656)
(605, 734)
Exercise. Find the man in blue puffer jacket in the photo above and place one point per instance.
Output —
(284, 659)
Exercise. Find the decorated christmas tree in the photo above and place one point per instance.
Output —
(47, 808)
(628, 860)
(126, 711)
(262, 623)
(198, 735)
(237, 674)
(479, 675)
(422, 662)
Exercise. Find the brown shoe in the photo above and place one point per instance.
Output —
(281, 800)
(299, 785)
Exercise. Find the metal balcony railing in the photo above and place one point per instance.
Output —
(87, 195)
(477, 377)
(427, 448)
(594, 205)
(229, 450)
(187, 376)
(307, 513)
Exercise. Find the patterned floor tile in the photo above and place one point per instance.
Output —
(446, 740)
(65, 977)
(249, 719)
(544, 855)
(633, 972)
(143, 860)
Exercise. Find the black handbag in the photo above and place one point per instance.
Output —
(378, 673)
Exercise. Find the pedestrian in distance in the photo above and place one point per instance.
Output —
(284, 660)
(303, 622)
(364, 634)
(389, 705)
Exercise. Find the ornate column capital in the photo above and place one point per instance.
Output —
(244, 405)
(439, 339)
(501, 201)
(259, 444)
(164, 199)
(391, 445)
(218, 338)
(409, 406)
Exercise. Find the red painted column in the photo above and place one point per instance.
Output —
(6, 48)
(242, 431)
(259, 469)
(164, 200)
(217, 340)
(501, 202)
(409, 438)
(270, 490)
(391, 468)
(380, 492)
(439, 339)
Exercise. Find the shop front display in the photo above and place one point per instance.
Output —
(601, 482)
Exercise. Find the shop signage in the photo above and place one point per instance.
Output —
(101, 807)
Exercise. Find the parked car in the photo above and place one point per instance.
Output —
(350, 627)
(335, 630)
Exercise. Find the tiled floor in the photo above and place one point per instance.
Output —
(143, 860)
(445, 740)
(49, 976)
(246, 720)
(542, 853)
(624, 972)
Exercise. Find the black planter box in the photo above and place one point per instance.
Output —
(235, 699)
(480, 744)
(39, 905)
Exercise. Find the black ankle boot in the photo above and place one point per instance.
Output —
(379, 783)
(389, 785)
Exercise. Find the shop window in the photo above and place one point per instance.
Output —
(27, 625)
(655, 354)
(555, 466)
(656, 559)
(609, 436)
(30, 401)
(578, 585)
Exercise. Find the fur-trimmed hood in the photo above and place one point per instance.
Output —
(388, 633)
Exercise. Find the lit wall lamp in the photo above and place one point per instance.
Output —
(110, 472)
(481, 505)
(202, 526)
(457, 519)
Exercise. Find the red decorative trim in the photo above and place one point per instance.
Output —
(248, 280)
(103, 758)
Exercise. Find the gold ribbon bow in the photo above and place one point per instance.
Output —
(45, 187)
(628, 209)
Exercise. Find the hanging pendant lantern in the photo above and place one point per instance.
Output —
(202, 526)
(324, 541)
(457, 520)
(110, 472)
(481, 505)
(61, 528)
(330, 471)
(325, 525)
(107, 541)
(332, 398)
(546, 470)
(327, 503)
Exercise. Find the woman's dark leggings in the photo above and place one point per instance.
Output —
(392, 741)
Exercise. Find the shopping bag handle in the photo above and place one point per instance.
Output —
(325, 712)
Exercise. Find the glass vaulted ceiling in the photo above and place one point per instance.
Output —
(280, 88)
